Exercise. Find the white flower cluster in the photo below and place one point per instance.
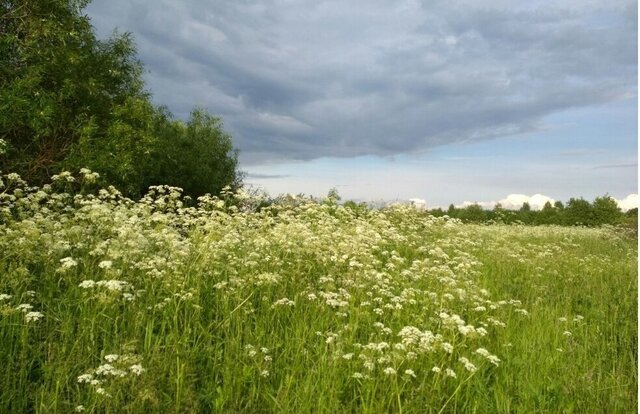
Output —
(116, 366)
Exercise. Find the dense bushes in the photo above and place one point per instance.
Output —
(69, 100)
(578, 211)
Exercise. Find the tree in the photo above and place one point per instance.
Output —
(69, 100)
(606, 210)
(548, 214)
(58, 83)
(579, 211)
(197, 156)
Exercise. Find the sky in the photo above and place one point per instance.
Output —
(448, 101)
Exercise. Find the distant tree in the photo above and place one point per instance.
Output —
(606, 210)
(472, 213)
(579, 211)
(333, 196)
(548, 214)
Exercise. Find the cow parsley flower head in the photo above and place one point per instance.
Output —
(137, 369)
(87, 284)
(105, 264)
(67, 263)
(33, 316)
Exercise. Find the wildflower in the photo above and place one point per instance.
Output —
(347, 356)
(450, 373)
(24, 307)
(79, 408)
(105, 264)
(562, 319)
(111, 357)
(102, 391)
(33, 316)
(437, 370)
(467, 364)
(85, 378)
(447, 347)
(283, 302)
(357, 375)
(137, 369)
(4, 296)
(264, 373)
(567, 333)
(67, 263)
(410, 373)
(87, 284)
(389, 371)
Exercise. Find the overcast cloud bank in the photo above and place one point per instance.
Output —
(301, 80)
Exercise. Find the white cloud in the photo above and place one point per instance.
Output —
(629, 202)
(514, 202)
(537, 202)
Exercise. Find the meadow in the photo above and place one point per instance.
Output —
(234, 304)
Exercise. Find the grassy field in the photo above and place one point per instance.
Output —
(107, 305)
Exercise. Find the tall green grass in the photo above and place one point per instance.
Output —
(305, 307)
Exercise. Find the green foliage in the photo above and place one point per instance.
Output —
(109, 305)
(578, 211)
(69, 100)
(197, 156)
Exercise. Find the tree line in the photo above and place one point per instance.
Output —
(69, 100)
(577, 211)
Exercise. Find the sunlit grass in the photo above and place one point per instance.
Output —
(305, 306)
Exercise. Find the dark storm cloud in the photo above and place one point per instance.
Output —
(306, 79)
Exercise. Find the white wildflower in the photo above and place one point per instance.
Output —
(410, 373)
(283, 302)
(24, 307)
(137, 369)
(33, 316)
(105, 264)
(389, 371)
(85, 378)
(67, 263)
(87, 284)
(468, 365)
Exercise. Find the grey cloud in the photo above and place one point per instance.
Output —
(629, 165)
(301, 80)
(257, 176)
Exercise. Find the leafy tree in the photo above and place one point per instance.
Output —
(548, 215)
(606, 210)
(473, 213)
(69, 100)
(579, 211)
(197, 155)
(58, 83)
